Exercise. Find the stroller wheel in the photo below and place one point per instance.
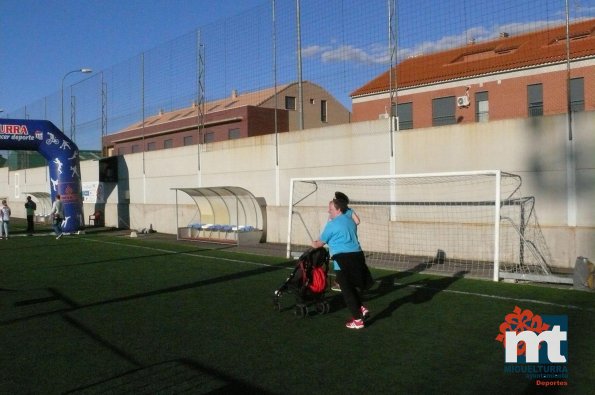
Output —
(323, 307)
(300, 310)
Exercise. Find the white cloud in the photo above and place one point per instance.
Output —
(351, 53)
(314, 50)
(378, 53)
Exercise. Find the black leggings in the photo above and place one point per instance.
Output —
(350, 293)
(353, 277)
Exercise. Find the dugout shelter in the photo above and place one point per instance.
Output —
(222, 214)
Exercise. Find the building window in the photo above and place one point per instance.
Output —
(187, 140)
(577, 94)
(169, 143)
(405, 115)
(209, 137)
(233, 133)
(323, 111)
(443, 111)
(151, 146)
(535, 100)
(289, 102)
(135, 148)
(482, 107)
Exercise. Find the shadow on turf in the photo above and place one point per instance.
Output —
(182, 287)
(152, 255)
(49, 241)
(181, 374)
(423, 291)
(175, 376)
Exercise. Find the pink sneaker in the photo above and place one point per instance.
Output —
(354, 324)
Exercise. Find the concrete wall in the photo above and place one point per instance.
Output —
(536, 149)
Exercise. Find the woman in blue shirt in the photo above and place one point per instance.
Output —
(340, 234)
(350, 213)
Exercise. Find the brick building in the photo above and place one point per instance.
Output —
(509, 77)
(236, 116)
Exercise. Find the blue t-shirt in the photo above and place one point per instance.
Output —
(349, 213)
(340, 234)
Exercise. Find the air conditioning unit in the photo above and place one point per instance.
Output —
(463, 101)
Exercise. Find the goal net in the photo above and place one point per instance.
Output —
(473, 224)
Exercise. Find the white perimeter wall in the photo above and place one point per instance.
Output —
(536, 149)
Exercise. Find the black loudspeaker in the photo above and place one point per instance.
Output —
(108, 169)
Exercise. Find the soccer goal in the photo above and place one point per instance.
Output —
(473, 224)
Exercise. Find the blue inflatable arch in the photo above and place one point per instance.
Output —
(63, 161)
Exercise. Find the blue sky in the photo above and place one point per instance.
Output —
(42, 40)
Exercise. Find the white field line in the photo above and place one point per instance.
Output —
(565, 306)
(179, 253)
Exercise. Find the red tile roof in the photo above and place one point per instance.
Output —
(503, 54)
(256, 98)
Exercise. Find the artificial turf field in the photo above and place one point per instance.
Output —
(105, 313)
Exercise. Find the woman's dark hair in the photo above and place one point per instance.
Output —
(342, 196)
(340, 204)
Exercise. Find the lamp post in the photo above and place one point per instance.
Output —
(62, 91)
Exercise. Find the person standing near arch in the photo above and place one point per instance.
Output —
(58, 216)
(5, 218)
(30, 208)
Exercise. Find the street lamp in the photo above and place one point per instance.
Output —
(62, 91)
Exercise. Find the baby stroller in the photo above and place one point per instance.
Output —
(308, 282)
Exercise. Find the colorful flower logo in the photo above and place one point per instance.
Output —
(520, 321)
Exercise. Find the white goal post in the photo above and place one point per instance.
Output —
(473, 224)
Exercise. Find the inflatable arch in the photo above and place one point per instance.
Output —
(63, 161)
